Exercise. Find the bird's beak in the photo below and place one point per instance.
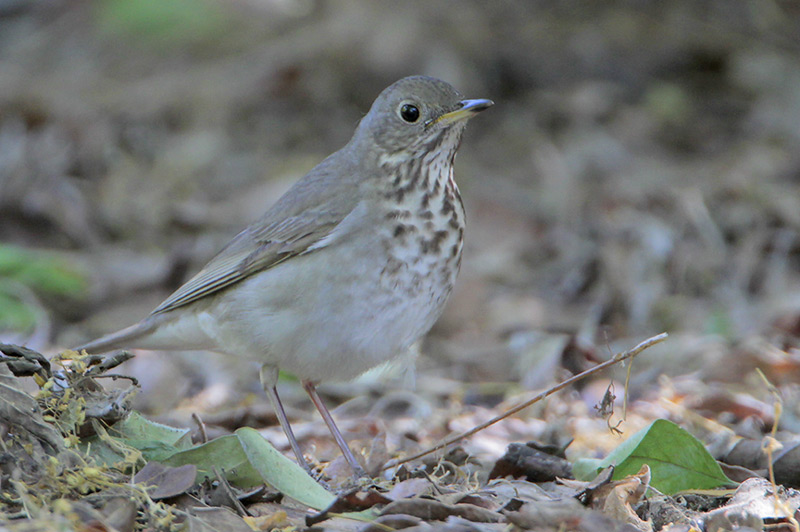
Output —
(466, 109)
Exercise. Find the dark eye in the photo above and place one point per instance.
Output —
(409, 113)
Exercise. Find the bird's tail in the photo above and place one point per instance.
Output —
(126, 337)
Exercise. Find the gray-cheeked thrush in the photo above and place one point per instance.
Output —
(347, 270)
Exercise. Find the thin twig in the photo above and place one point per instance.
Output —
(226, 488)
(202, 427)
(575, 378)
(770, 446)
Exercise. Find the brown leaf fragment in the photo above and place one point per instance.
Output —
(120, 513)
(255, 415)
(20, 411)
(586, 492)
(286, 515)
(602, 485)
(758, 497)
(741, 405)
(353, 501)
(453, 524)
(512, 494)
(259, 494)
(525, 461)
(164, 482)
(84, 513)
(215, 520)
(361, 500)
(100, 364)
(787, 465)
(107, 406)
(624, 494)
(338, 470)
(377, 455)
(429, 509)
(738, 520)
(271, 521)
(412, 487)
(393, 521)
(24, 362)
(564, 514)
(740, 474)
(457, 456)
(478, 500)
(747, 453)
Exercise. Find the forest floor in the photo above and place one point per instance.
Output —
(638, 174)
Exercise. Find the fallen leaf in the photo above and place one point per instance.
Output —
(677, 460)
(626, 493)
(163, 482)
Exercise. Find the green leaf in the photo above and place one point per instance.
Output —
(154, 440)
(246, 459)
(678, 461)
(226, 454)
(136, 427)
(281, 473)
(587, 468)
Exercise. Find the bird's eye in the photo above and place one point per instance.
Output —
(409, 113)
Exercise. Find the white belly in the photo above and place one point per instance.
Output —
(329, 315)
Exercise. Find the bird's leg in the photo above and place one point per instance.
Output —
(358, 471)
(269, 379)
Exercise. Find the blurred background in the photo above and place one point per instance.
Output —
(638, 174)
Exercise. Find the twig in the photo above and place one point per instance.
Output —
(226, 488)
(202, 426)
(103, 363)
(575, 378)
(770, 446)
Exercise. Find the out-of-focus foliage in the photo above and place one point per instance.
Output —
(163, 22)
(24, 274)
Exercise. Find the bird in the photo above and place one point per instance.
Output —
(347, 270)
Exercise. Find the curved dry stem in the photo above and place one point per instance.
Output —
(508, 413)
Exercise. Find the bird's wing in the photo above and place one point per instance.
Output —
(255, 249)
(251, 251)
(304, 219)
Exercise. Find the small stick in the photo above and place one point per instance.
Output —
(202, 426)
(575, 378)
(226, 488)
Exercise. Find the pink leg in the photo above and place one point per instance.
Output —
(272, 392)
(358, 471)
(269, 379)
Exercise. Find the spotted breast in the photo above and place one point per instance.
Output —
(425, 238)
